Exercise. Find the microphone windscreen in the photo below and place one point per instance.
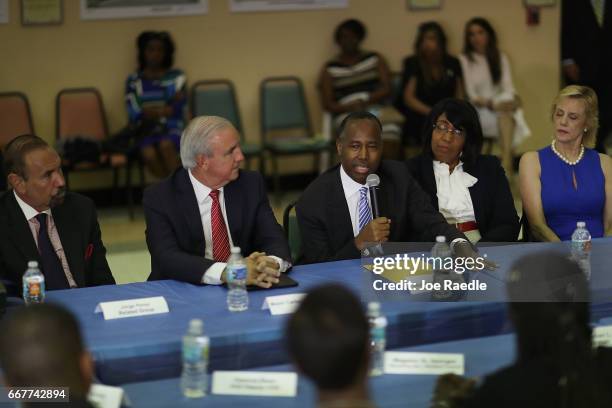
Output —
(372, 180)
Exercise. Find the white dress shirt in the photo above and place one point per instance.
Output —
(212, 276)
(351, 193)
(454, 200)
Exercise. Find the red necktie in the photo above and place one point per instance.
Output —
(220, 241)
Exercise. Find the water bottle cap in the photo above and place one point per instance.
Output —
(581, 224)
(235, 250)
(196, 326)
(373, 307)
(440, 238)
(32, 264)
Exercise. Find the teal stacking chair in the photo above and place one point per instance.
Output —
(218, 98)
(292, 231)
(285, 124)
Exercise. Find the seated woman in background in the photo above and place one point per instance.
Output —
(156, 97)
(469, 189)
(489, 87)
(567, 182)
(428, 76)
(355, 80)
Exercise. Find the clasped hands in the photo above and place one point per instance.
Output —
(262, 270)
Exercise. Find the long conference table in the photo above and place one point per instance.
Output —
(147, 348)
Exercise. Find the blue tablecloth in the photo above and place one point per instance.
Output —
(147, 348)
(482, 356)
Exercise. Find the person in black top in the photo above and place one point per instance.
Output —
(556, 364)
(428, 76)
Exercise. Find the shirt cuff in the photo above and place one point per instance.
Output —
(282, 264)
(455, 241)
(212, 276)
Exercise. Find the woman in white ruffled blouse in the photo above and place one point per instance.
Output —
(488, 85)
(469, 189)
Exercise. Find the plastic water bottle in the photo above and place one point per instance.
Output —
(378, 338)
(441, 252)
(33, 284)
(195, 360)
(237, 295)
(581, 248)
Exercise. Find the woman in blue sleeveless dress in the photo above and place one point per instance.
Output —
(567, 182)
(156, 97)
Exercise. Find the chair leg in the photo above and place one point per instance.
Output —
(276, 178)
(262, 163)
(130, 193)
(115, 185)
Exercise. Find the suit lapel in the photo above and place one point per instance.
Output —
(340, 217)
(476, 191)
(429, 180)
(22, 235)
(233, 198)
(71, 237)
(188, 203)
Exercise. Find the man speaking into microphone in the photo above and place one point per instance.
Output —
(335, 212)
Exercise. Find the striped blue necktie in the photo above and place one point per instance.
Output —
(365, 215)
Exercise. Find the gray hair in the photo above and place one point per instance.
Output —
(196, 138)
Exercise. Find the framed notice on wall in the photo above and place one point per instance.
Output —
(279, 5)
(4, 11)
(540, 3)
(424, 4)
(112, 9)
(34, 12)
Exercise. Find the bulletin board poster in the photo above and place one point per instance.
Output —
(4, 12)
(279, 5)
(116, 9)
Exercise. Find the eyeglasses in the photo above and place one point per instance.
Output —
(443, 127)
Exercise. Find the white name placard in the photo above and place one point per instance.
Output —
(255, 383)
(602, 336)
(105, 396)
(133, 307)
(400, 362)
(283, 304)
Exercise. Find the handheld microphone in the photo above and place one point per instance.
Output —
(372, 181)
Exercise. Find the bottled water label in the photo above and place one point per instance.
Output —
(239, 273)
(195, 353)
(33, 286)
(581, 246)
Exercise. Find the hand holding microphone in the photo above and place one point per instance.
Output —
(379, 228)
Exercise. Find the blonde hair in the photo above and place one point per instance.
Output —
(196, 137)
(589, 97)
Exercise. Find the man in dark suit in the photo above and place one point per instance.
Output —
(334, 213)
(586, 34)
(40, 221)
(210, 205)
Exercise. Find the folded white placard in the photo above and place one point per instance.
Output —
(602, 336)
(105, 396)
(256, 383)
(132, 307)
(403, 362)
(283, 304)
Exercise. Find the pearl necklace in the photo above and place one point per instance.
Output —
(571, 163)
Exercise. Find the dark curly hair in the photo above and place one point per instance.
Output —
(145, 38)
(352, 25)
